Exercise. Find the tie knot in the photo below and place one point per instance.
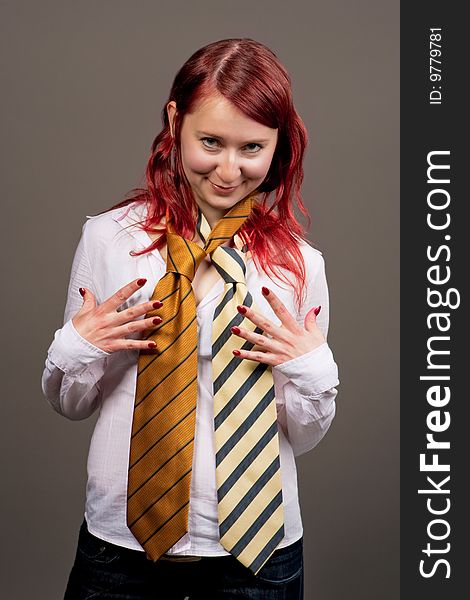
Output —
(230, 263)
(183, 256)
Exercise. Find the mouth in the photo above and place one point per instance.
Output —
(222, 189)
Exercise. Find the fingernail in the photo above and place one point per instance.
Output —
(236, 352)
(82, 291)
(265, 291)
(241, 309)
(317, 310)
(157, 304)
(235, 330)
(157, 321)
(310, 312)
(152, 345)
(141, 281)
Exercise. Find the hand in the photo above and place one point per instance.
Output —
(103, 326)
(284, 342)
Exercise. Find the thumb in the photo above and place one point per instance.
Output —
(89, 300)
(311, 318)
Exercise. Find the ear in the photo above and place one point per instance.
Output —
(171, 111)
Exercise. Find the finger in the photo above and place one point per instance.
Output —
(260, 342)
(310, 321)
(149, 309)
(132, 344)
(137, 326)
(267, 358)
(123, 294)
(281, 311)
(89, 300)
(265, 324)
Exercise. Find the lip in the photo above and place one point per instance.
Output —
(222, 190)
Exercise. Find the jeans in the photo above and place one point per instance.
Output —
(105, 571)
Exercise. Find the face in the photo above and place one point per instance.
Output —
(225, 154)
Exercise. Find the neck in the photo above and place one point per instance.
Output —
(213, 215)
(216, 229)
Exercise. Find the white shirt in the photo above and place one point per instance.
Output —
(79, 378)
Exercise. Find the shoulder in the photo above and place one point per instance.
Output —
(103, 221)
(105, 227)
(313, 257)
(314, 265)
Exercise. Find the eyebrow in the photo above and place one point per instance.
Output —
(218, 137)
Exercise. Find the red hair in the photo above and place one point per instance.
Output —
(251, 77)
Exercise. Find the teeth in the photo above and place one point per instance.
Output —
(222, 188)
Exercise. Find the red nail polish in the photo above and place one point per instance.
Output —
(157, 321)
(235, 330)
(157, 304)
(317, 310)
(236, 352)
(265, 291)
(141, 281)
(241, 309)
(152, 345)
(82, 291)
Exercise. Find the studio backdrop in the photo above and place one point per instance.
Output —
(83, 87)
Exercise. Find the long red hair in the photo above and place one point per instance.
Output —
(251, 77)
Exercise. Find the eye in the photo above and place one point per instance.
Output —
(206, 142)
(254, 150)
(211, 144)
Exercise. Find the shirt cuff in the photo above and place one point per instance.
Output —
(71, 352)
(312, 373)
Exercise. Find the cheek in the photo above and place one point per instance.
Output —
(258, 169)
(196, 160)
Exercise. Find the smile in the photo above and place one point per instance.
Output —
(223, 190)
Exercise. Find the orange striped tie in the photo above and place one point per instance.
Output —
(162, 441)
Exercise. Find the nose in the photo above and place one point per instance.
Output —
(228, 170)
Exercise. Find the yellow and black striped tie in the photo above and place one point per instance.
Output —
(249, 486)
(163, 429)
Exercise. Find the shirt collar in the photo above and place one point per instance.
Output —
(135, 212)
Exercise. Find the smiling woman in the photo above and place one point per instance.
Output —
(221, 164)
(201, 336)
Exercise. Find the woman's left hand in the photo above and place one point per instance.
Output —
(286, 341)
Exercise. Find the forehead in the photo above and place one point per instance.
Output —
(218, 116)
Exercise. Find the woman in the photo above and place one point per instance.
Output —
(230, 138)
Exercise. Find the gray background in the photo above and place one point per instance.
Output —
(84, 83)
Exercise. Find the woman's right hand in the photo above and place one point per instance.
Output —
(103, 326)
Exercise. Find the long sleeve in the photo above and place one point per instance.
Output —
(79, 379)
(305, 385)
(74, 367)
